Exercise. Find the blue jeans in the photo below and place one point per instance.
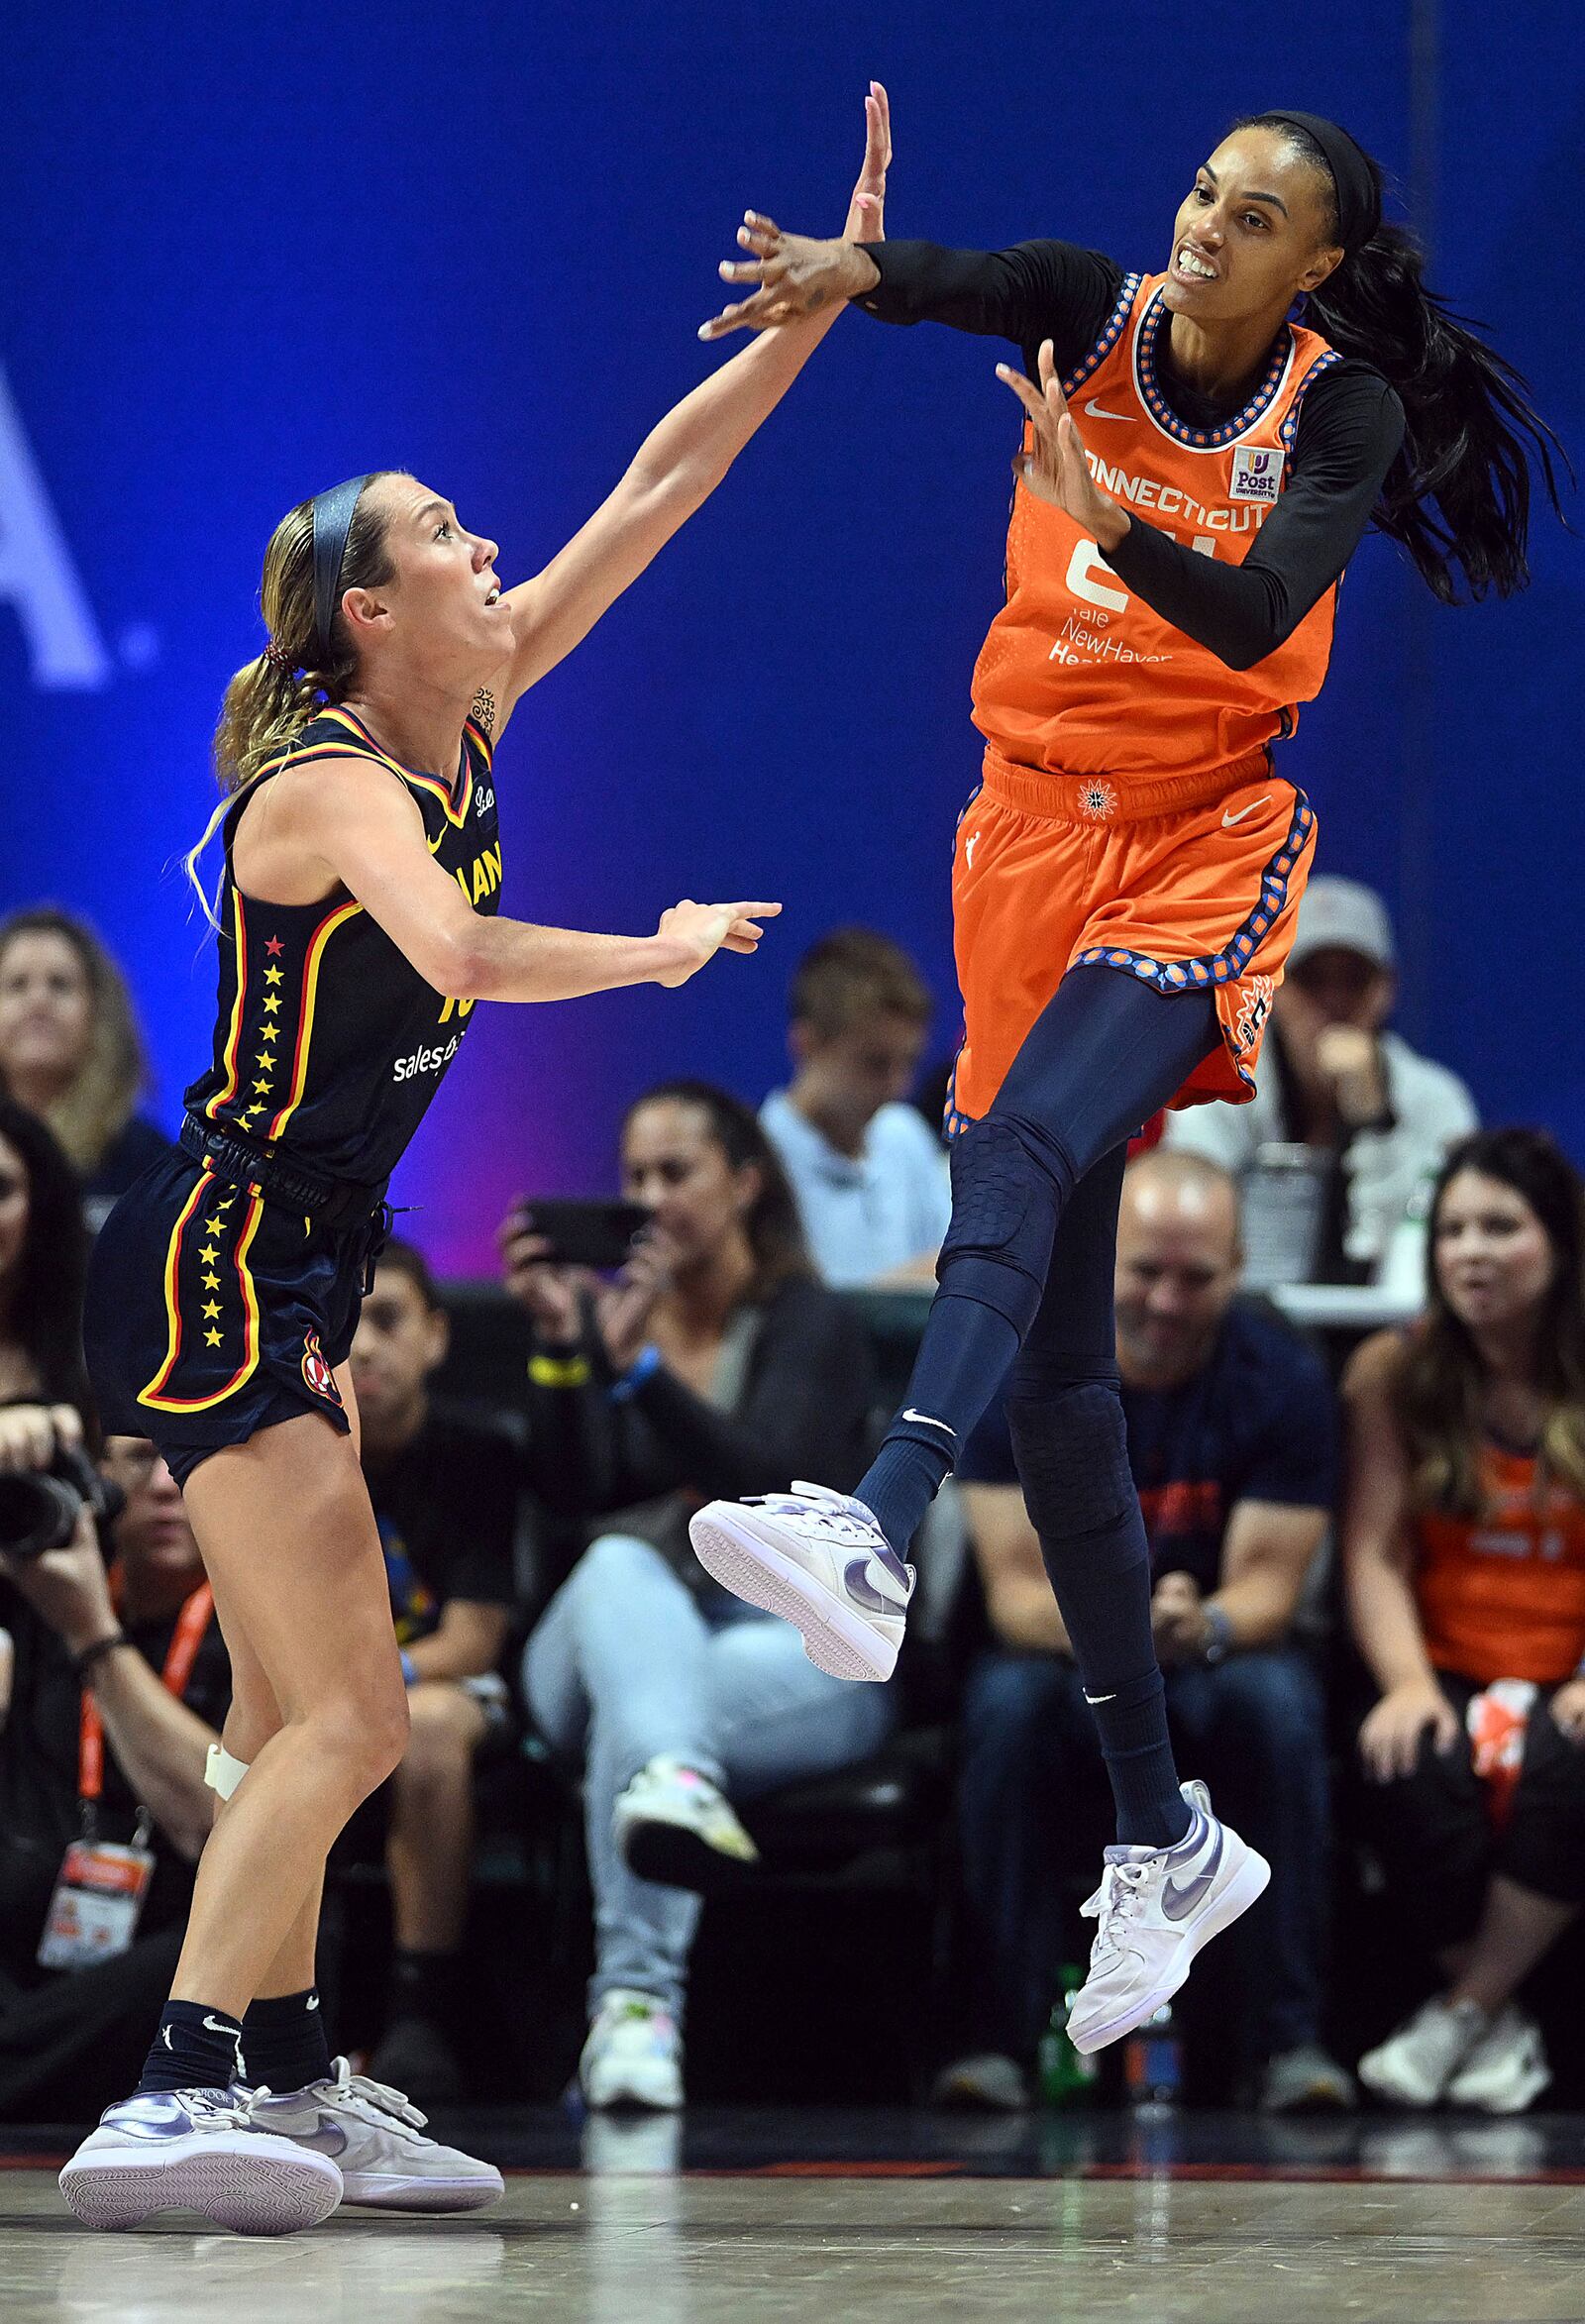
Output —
(1034, 1807)
(626, 1663)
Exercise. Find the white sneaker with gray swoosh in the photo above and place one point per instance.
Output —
(375, 2137)
(819, 1560)
(203, 2150)
(1157, 1906)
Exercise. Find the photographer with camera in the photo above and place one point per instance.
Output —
(119, 1681)
(120, 1686)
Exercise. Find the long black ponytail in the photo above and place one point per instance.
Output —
(1457, 497)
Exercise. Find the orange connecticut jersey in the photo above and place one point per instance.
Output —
(1078, 674)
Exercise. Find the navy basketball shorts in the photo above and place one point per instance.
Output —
(213, 1313)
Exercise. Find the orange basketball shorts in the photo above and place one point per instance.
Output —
(1191, 884)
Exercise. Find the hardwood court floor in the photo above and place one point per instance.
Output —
(885, 2218)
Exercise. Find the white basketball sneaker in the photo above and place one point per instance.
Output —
(1507, 2070)
(197, 2151)
(376, 2136)
(1416, 2063)
(674, 1826)
(633, 2056)
(1157, 1906)
(819, 1560)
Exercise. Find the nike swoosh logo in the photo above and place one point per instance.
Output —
(1228, 819)
(1178, 1897)
(328, 2139)
(215, 2026)
(872, 1586)
(1091, 1700)
(929, 1423)
(1097, 413)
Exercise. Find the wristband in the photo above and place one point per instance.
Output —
(1221, 1639)
(409, 1669)
(553, 1371)
(82, 1663)
(643, 1367)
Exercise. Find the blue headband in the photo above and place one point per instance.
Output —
(332, 521)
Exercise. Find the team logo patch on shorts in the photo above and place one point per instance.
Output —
(1256, 992)
(318, 1374)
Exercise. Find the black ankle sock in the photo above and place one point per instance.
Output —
(284, 2042)
(195, 2049)
(423, 1984)
(1151, 1810)
(962, 1361)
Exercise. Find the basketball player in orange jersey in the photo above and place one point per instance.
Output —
(360, 878)
(1202, 449)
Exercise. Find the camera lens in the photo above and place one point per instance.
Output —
(37, 1512)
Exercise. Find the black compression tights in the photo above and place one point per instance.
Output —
(1025, 1297)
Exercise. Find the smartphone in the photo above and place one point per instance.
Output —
(587, 1233)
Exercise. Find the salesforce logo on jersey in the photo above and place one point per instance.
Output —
(40, 584)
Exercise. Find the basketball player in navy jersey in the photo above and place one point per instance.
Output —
(356, 925)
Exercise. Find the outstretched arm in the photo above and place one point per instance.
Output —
(680, 464)
(367, 833)
(1035, 290)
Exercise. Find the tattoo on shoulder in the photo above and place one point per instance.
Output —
(484, 709)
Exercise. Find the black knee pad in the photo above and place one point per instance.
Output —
(1070, 1445)
(1005, 1202)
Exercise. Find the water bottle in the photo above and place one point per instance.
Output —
(1152, 2065)
(1066, 2076)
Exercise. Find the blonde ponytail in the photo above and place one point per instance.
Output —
(272, 699)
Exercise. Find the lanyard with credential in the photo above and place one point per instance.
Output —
(192, 1625)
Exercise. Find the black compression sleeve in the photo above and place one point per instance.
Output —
(1035, 290)
(1350, 427)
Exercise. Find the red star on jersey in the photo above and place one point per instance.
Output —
(273, 946)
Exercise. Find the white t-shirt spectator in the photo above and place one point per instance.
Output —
(867, 1214)
(1387, 1168)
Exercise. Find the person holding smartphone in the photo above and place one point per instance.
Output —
(713, 1362)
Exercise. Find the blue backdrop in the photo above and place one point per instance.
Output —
(251, 253)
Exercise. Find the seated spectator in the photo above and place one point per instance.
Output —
(43, 1262)
(444, 1485)
(869, 1174)
(71, 1051)
(1464, 1543)
(1231, 1440)
(713, 1364)
(72, 2038)
(1378, 1117)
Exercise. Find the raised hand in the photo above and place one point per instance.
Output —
(709, 928)
(798, 274)
(1054, 467)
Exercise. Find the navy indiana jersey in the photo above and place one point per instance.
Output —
(329, 1044)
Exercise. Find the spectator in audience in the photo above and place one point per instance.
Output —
(71, 2040)
(1231, 1440)
(868, 1175)
(43, 1259)
(1381, 1116)
(443, 1486)
(713, 1364)
(1465, 1540)
(71, 1051)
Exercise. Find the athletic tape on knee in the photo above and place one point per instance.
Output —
(1005, 1205)
(223, 1771)
(1072, 1453)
